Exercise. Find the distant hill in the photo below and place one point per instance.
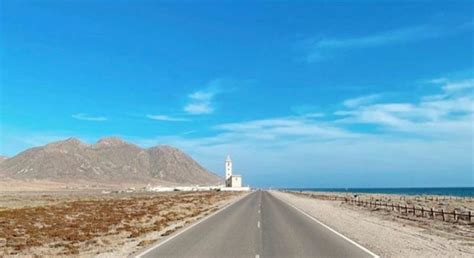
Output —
(2, 158)
(110, 160)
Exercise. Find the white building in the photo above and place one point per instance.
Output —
(231, 180)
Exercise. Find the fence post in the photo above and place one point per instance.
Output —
(442, 214)
(455, 218)
(422, 212)
(432, 213)
(469, 216)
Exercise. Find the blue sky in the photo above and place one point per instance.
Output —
(301, 94)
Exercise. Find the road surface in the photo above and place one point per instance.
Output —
(258, 226)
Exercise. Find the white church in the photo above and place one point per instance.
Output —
(232, 182)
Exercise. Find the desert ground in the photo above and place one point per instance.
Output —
(15, 186)
(392, 234)
(91, 223)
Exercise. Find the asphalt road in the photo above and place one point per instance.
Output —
(259, 225)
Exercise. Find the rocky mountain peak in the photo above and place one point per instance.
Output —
(163, 147)
(110, 160)
(110, 141)
(69, 142)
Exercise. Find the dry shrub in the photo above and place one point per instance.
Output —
(147, 242)
(65, 226)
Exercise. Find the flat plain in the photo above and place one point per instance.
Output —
(89, 223)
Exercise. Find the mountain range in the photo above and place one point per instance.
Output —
(110, 160)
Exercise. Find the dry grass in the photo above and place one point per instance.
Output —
(68, 227)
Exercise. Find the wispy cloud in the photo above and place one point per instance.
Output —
(459, 85)
(82, 116)
(324, 48)
(308, 111)
(281, 127)
(450, 112)
(199, 108)
(355, 102)
(201, 101)
(429, 138)
(166, 118)
(314, 115)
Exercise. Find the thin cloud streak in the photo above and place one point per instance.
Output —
(322, 49)
(85, 117)
(355, 102)
(166, 118)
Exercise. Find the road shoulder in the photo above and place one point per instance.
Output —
(384, 237)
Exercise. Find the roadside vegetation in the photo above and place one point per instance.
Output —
(95, 225)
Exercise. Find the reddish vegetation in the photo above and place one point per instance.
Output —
(69, 225)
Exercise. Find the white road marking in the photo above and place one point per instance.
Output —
(188, 228)
(258, 224)
(259, 211)
(257, 256)
(332, 230)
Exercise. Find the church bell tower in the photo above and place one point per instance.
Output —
(228, 170)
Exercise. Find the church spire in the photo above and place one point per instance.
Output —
(228, 170)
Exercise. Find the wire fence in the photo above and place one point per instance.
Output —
(420, 211)
(416, 210)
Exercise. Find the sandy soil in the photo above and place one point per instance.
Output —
(8, 185)
(388, 234)
(90, 224)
